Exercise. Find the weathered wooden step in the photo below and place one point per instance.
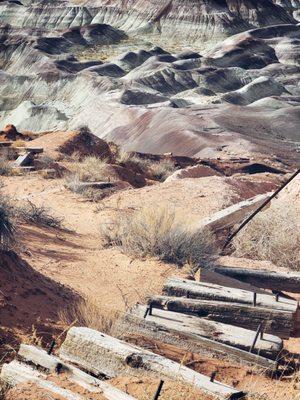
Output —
(97, 352)
(275, 322)
(277, 281)
(16, 372)
(209, 276)
(209, 291)
(196, 334)
(40, 358)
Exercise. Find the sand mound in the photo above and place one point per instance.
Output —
(29, 303)
(82, 142)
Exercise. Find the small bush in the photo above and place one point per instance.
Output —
(272, 235)
(6, 225)
(5, 166)
(158, 232)
(91, 169)
(162, 170)
(37, 215)
(132, 161)
(89, 314)
(4, 388)
(73, 183)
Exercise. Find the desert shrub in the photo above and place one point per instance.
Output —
(5, 166)
(4, 388)
(91, 169)
(272, 235)
(158, 232)
(39, 215)
(131, 160)
(6, 224)
(161, 170)
(89, 314)
(73, 183)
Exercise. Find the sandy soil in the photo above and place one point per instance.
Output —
(74, 257)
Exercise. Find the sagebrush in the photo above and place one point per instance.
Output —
(159, 232)
(89, 314)
(272, 235)
(7, 228)
(91, 169)
(38, 215)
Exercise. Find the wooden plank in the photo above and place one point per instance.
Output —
(209, 276)
(236, 213)
(24, 160)
(196, 334)
(285, 282)
(40, 358)
(209, 291)
(275, 322)
(96, 352)
(16, 372)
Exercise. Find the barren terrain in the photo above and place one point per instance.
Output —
(132, 133)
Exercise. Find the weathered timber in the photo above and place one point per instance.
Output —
(96, 185)
(210, 291)
(96, 352)
(16, 372)
(232, 215)
(275, 322)
(24, 160)
(41, 358)
(282, 282)
(209, 276)
(196, 334)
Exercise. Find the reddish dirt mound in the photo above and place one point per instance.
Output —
(29, 304)
(81, 142)
(10, 133)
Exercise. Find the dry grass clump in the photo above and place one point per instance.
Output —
(272, 235)
(73, 183)
(157, 170)
(91, 169)
(131, 160)
(261, 388)
(159, 232)
(38, 215)
(5, 167)
(4, 388)
(6, 225)
(162, 170)
(89, 314)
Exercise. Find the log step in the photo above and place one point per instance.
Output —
(198, 334)
(281, 282)
(97, 352)
(275, 322)
(209, 291)
(41, 358)
(15, 373)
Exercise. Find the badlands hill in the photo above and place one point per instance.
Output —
(156, 77)
(123, 121)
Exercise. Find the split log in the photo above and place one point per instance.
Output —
(198, 334)
(16, 372)
(208, 291)
(232, 215)
(24, 159)
(41, 358)
(96, 352)
(275, 322)
(285, 282)
(209, 276)
(96, 185)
